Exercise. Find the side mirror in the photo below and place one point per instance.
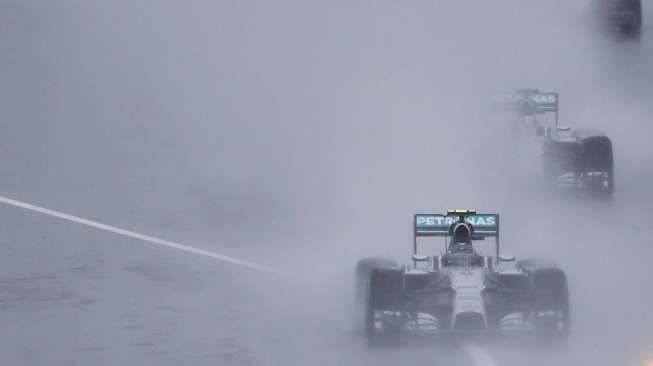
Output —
(539, 131)
(563, 128)
(507, 258)
(420, 258)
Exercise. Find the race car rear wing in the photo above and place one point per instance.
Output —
(437, 225)
(541, 102)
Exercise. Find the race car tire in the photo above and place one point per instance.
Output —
(603, 19)
(597, 156)
(633, 30)
(364, 269)
(384, 294)
(550, 293)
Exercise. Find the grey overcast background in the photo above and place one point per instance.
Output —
(301, 135)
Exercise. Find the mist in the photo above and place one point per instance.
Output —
(304, 136)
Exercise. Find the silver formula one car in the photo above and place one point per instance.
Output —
(461, 290)
(579, 161)
(621, 18)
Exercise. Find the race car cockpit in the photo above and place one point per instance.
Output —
(460, 251)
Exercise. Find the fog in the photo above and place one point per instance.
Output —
(303, 136)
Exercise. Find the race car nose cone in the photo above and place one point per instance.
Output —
(469, 320)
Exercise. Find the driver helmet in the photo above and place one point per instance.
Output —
(461, 242)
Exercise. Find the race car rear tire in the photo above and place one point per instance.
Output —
(550, 293)
(597, 156)
(604, 19)
(633, 29)
(384, 294)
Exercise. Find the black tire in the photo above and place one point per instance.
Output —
(384, 294)
(634, 29)
(605, 13)
(550, 293)
(364, 269)
(597, 156)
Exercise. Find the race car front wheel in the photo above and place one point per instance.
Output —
(364, 269)
(550, 303)
(597, 165)
(384, 304)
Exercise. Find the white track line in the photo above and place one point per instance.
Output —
(135, 235)
(479, 356)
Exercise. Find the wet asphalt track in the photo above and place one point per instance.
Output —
(73, 295)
